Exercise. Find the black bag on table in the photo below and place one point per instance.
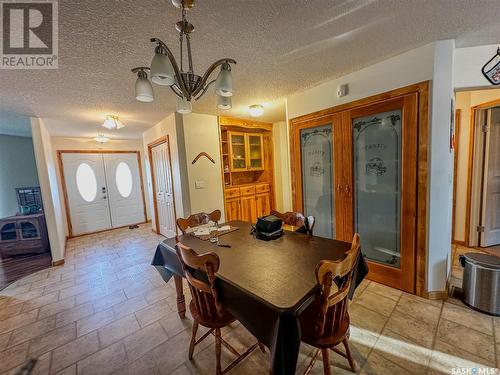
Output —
(268, 228)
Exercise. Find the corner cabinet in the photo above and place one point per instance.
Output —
(247, 168)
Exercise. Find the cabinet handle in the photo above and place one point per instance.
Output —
(339, 189)
(347, 189)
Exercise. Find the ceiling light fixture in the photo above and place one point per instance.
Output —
(101, 138)
(256, 110)
(184, 83)
(113, 122)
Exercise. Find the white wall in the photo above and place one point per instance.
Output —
(17, 169)
(47, 174)
(281, 155)
(201, 133)
(64, 143)
(468, 63)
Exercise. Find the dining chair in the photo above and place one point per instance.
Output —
(325, 323)
(296, 219)
(205, 308)
(197, 219)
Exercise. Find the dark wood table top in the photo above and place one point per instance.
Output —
(279, 272)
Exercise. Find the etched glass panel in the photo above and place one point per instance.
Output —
(123, 179)
(317, 178)
(377, 190)
(86, 182)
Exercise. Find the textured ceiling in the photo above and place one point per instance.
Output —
(281, 46)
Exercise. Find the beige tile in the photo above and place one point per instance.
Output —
(73, 351)
(109, 300)
(419, 309)
(158, 293)
(104, 361)
(74, 314)
(173, 324)
(129, 306)
(153, 313)
(13, 357)
(40, 301)
(18, 321)
(181, 370)
(384, 291)
(144, 340)
(71, 370)
(474, 342)
(33, 330)
(94, 322)
(177, 349)
(496, 324)
(434, 302)
(118, 329)
(144, 365)
(10, 311)
(416, 330)
(56, 307)
(41, 367)
(378, 365)
(4, 340)
(376, 302)
(53, 339)
(469, 318)
(367, 319)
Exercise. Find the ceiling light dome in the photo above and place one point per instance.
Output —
(224, 82)
(224, 102)
(113, 122)
(162, 72)
(256, 110)
(143, 89)
(101, 138)
(184, 107)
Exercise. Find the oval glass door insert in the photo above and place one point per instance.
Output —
(123, 178)
(86, 182)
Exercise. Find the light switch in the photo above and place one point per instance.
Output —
(199, 184)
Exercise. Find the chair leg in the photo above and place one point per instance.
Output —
(352, 363)
(193, 339)
(218, 351)
(311, 364)
(326, 361)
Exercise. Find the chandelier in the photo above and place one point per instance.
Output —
(181, 79)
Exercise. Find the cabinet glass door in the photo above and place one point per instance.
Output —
(377, 146)
(238, 152)
(316, 147)
(255, 151)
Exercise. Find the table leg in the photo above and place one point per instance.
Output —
(181, 301)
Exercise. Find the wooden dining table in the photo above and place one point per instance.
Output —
(264, 284)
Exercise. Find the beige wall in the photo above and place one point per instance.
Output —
(464, 101)
(65, 143)
(281, 155)
(47, 175)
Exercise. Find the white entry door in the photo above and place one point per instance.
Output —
(86, 192)
(163, 189)
(104, 191)
(490, 213)
(124, 189)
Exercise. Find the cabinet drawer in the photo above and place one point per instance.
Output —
(247, 190)
(263, 188)
(232, 193)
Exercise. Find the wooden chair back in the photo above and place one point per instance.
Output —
(197, 219)
(333, 306)
(203, 292)
(296, 219)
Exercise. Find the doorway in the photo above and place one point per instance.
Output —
(355, 168)
(103, 190)
(162, 187)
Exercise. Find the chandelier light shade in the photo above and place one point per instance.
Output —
(113, 122)
(180, 77)
(143, 88)
(101, 138)
(224, 102)
(256, 110)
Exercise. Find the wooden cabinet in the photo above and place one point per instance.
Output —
(248, 212)
(233, 209)
(262, 204)
(248, 202)
(246, 151)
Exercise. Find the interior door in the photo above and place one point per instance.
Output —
(86, 192)
(163, 190)
(490, 211)
(124, 188)
(382, 170)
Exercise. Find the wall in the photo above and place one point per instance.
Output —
(201, 133)
(464, 101)
(468, 63)
(282, 178)
(47, 174)
(63, 143)
(17, 169)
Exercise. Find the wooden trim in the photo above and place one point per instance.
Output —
(436, 295)
(65, 191)
(59, 262)
(455, 170)
(157, 142)
(249, 124)
(108, 230)
(470, 164)
(459, 243)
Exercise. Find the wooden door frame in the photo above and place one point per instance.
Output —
(458, 118)
(422, 89)
(157, 142)
(470, 163)
(65, 190)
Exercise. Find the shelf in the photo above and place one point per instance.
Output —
(238, 144)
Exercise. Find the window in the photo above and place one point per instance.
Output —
(123, 179)
(86, 182)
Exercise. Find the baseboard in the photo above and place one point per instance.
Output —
(59, 262)
(437, 295)
(460, 243)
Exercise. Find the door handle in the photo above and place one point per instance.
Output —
(104, 197)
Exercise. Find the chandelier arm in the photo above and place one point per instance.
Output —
(204, 90)
(177, 91)
(178, 76)
(209, 71)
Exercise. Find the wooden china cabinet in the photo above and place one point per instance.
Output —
(246, 149)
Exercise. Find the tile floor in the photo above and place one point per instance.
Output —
(107, 311)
